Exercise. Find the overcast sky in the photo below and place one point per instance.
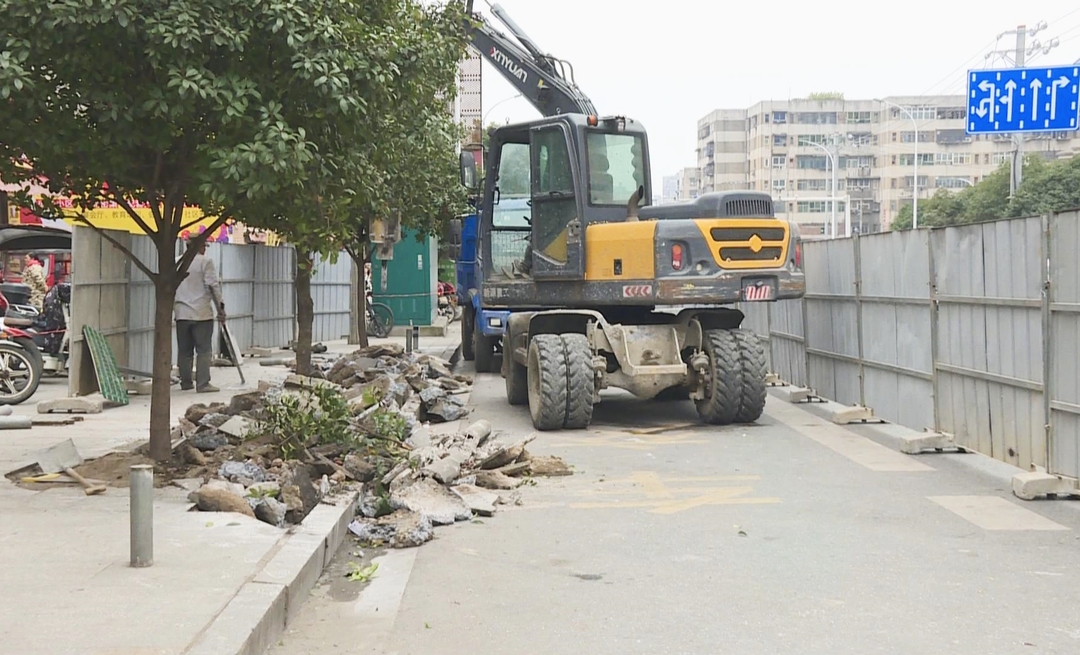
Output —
(669, 63)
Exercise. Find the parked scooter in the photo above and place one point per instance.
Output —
(21, 359)
(42, 336)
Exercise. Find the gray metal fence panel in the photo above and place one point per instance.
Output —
(99, 298)
(787, 354)
(331, 288)
(990, 338)
(1064, 373)
(832, 339)
(236, 270)
(895, 322)
(141, 306)
(274, 321)
(757, 321)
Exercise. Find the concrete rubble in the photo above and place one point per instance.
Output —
(362, 421)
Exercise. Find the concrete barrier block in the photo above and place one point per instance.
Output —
(78, 405)
(1031, 485)
(855, 414)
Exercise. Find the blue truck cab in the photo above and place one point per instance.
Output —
(482, 329)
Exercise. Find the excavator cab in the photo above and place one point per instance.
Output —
(561, 174)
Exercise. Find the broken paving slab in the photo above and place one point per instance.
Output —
(400, 529)
(477, 499)
(75, 405)
(432, 501)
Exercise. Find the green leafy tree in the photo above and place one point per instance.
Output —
(400, 160)
(206, 103)
(1046, 187)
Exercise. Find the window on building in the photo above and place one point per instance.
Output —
(918, 112)
(710, 149)
(951, 113)
(860, 117)
(818, 206)
(779, 185)
(779, 139)
(809, 139)
(909, 182)
(779, 117)
(858, 183)
(925, 159)
(811, 185)
(909, 137)
(1001, 157)
(778, 207)
(704, 131)
(816, 118)
(815, 162)
(952, 158)
(952, 182)
(779, 162)
(952, 136)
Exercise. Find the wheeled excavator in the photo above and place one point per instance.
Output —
(583, 285)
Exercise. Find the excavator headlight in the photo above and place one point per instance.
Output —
(592, 121)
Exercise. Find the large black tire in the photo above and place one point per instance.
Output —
(517, 376)
(752, 363)
(580, 381)
(484, 350)
(723, 391)
(547, 382)
(20, 365)
(468, 318)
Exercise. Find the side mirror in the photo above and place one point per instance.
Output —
(468, 170)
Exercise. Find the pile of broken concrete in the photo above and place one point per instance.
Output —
(448, 478)
(231, 461)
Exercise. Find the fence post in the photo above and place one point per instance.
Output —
(806, 339)
(932, 290)
(1047, 340)
(858, 318)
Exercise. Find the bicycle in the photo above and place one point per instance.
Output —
(380, 319)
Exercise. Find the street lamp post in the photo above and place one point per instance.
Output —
(831, 161)
(483, 121)
(915, 181)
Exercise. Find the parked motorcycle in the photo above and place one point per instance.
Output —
(43, 336)
(22, 363)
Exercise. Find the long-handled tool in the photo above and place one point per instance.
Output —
(233, 350)
(65, 457)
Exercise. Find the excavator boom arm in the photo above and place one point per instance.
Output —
(540, 78)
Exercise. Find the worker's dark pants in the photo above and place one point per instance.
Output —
(192, 337)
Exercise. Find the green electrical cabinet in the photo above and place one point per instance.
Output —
(411, 280)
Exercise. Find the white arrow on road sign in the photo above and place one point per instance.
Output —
(986, 105)
(1036, 86)
(1058, 83)
(1007, 99)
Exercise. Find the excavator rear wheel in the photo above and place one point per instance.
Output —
(580, 381)
(752, 362)
(547, 382)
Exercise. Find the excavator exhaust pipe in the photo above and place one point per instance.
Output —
(632, 205)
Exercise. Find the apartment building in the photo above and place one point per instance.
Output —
(670, 191)
(789, 146)
(689, 184)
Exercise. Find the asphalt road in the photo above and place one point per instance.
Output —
(791, 536)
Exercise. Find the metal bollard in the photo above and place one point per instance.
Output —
(415, 336)
(142, 515)
(408, 339)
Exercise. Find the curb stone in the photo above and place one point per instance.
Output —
(257, 616)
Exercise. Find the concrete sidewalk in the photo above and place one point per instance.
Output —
(220, 583)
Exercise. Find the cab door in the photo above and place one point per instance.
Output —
(557, 237)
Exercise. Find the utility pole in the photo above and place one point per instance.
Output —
(1019, 60)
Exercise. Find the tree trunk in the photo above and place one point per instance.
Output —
(305, 312)
(161, 388)
(361, 300)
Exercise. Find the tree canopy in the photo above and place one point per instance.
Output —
(266, 111)
(1046, 187)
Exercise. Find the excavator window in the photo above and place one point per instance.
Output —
(616, 166)
(511, 215)
(553, 198)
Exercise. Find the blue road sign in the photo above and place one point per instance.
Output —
(1023, 100)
